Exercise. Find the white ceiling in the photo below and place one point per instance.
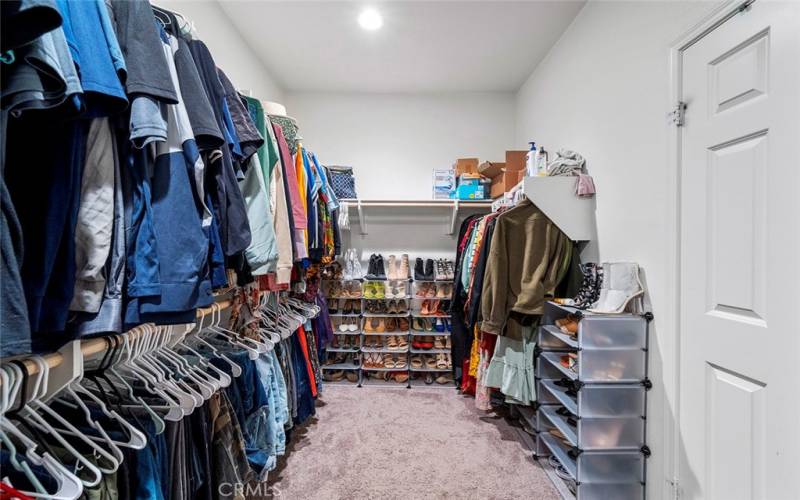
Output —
(424, 46)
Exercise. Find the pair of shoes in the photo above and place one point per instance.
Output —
(374, 290)
(431, 308)
(396, 343)
(424, 325)
(423, 270)
(352, 307)
(376, 307)
(569, 325)
(620, 286)
(396, 290)
(440, 273)
(374, 325)
(352, 266)
(376, 269)
(397, 307)
(423, 342)
(449, 269)
(398, 268)
(444, 291)
(349, 325)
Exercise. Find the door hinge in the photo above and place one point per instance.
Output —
(678, 114)
(745, 6)
(676, 488)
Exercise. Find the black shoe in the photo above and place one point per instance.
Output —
(380, 269)
(419, 270)
(429, 270)
(371, 267)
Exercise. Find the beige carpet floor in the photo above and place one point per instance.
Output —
(420, 443)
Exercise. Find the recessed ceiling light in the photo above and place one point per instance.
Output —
(370, 19)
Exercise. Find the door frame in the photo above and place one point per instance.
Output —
(718, 15)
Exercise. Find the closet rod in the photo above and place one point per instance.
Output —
(90, 347)
(421, 203)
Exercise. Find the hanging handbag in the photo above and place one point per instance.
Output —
(343, 182)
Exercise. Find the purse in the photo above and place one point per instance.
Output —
(343, 182)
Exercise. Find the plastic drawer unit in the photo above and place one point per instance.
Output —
(592, 403)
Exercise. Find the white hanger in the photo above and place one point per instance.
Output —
(174, 409)
(207, 386)
(235, 368)
(8, 443)
(69, 486)
(39, 389)
(110, 369)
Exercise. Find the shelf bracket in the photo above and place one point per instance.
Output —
(453, 218)
(362, 221)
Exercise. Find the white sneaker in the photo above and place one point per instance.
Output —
(621, 284)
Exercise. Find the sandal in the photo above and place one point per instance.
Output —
(430, 362)
(369, 291)
(425, 308)
(381, 325)
(416, 361)
(444, 379)
(402, 307)
(391, 343)
(441, 362)
(391, 325)
(400, 362)
(402, 324)
(388, 361)
(402, 342)
(438, 342)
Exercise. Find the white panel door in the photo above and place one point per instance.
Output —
(740, 256)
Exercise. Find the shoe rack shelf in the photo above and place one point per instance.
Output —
(367, 292)
(454, 207)
(591, 412)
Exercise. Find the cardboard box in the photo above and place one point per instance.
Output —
(471, 189)
(516, 160)
(466, 166)
(504, 182)
(491, 169)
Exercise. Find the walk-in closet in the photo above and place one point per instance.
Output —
(357, 250)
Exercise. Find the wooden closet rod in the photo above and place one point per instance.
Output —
(90, 347)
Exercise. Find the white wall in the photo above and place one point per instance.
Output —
(604, 91)
(394, 141)
(230, 51)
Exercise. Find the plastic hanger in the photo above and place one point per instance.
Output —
(25, 411)
(206, 387)
(253, 348)
(160, 378)
(174, 411)
(136, 439)
(106, 368)
(165, 374)
(21, 466)
(235, 368)
(35, 403)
